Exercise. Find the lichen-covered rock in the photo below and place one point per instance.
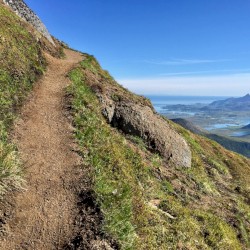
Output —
(108, 107)
(142, 121)
(22, 10)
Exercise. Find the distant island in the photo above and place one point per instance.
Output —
(229, 104)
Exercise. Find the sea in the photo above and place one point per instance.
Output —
(211, 122)
(160, 101)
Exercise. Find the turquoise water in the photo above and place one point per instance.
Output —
(213, 122)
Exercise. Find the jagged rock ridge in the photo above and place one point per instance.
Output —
(22, 10)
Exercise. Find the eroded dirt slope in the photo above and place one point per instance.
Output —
(44, 213)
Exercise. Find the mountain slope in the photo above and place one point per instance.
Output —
(161, 204)
(43, 139)
(229, 143)
(142, 182)
(240, 147)
(189, 126)
(21, 63)
(22, 10)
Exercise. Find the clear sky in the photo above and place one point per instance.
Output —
(166, 47)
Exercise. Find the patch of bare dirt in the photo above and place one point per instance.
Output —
(89, 235)
(47, 214)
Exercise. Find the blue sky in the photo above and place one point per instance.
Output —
(167, 47)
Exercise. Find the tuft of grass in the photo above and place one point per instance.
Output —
(138, 141)
(10, 167)
(21, 63)
(167, 186)
(217, 233)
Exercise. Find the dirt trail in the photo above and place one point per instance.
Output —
(44, 213)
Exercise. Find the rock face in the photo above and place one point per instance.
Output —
(142, 121)
(22, 10)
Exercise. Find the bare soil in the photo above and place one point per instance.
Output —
(52, 210)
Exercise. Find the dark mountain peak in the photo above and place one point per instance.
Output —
(246, 127)
(233, 103)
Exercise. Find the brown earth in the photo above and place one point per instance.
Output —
(46, 213)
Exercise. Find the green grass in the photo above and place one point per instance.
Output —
(10, 170)
(147, 204)
(112, 164)
(21, 62)
(232, 144)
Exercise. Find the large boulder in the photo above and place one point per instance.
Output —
(142, 121)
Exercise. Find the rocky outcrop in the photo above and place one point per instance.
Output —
(22, 10)
(142, 121)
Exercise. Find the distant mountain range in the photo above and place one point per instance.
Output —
(230, 104)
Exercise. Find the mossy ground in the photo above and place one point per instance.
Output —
(146, 203)
(21, 63)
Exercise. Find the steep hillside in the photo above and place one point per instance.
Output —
(189, 126)
(21, 63)
(119, 176)
(147, 200)
(237, 146)
(240, 147)
(22, 10)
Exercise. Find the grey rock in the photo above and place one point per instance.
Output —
(108, 107)
(22, 10)
(142, 121)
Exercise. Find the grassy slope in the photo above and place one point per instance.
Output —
(21, 62)
(146, 203)
(235, 145)
(229, 143)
